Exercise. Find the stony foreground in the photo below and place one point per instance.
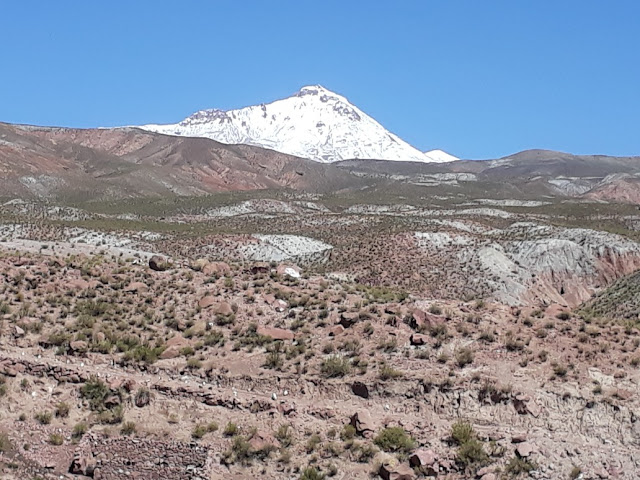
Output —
(212, 370)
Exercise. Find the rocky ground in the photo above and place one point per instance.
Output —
(306, 337)
(118, 364)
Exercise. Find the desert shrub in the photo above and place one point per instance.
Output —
(285, 435)
(142, 397)
(487, 336)
(517, 466)
(559, 370)
(464, 357)
(62, 410)
(471, 452)
(462, 432)
(274, 361)
(348, 432)
(194, 363)
(5, 443)
(128, 428)
(313, 442)
(575, 473)
(79, 429)
(388, 373)
(312, 473)
(44, 418)
(199, 431)
(112, 416)
(56, 439)
(95, 391)
(230, 430)
(143, 353)
(362, 452)
(470, 449)
(394, 439)
(335, 366)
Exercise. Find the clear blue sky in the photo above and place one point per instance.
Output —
(478, 78)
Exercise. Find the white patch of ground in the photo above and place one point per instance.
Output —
(440, 239)
(42, 185)
(511, 202)
(487, 212)
(68, 248)
(286, 247)
(380, 209)
(436, 179)
(572, 185)
(316, 207)
(253, 206)
(458, 225)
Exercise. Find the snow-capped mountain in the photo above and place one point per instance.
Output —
(314, 123)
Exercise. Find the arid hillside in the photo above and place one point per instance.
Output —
(63, 164)
(177, 308)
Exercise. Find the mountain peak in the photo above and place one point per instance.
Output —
(313, 123)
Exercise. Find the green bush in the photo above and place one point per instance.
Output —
(62, 410)
(517, 466)
(462, 432)
(5, 443)
(335, 366)
(79, 430)
(95, 391)
(471, 452)
(394, 439)
(348, 432)
(284, 435)
(464, 357)
(312, 473)
(44, 418)
(56, 439)
(389, 373)
(230, 430)
(470, 449)
(199, 431)
(128, 428)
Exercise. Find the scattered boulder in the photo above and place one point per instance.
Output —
(218, 269)
(524, 449)
(426, 460)
(292, 271)
(79, 346)
(260, 267)
(206, 301)
(18, 331)
(418, 339)
(349, 319)
(363, 423)
(276, 333)
(391, 469)
(336, 330)
(263, 442)
(360, 389)
(420, 319)
(170, 352)
(159, 263)
(524, 405)
(83, 465)
(136, 287)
